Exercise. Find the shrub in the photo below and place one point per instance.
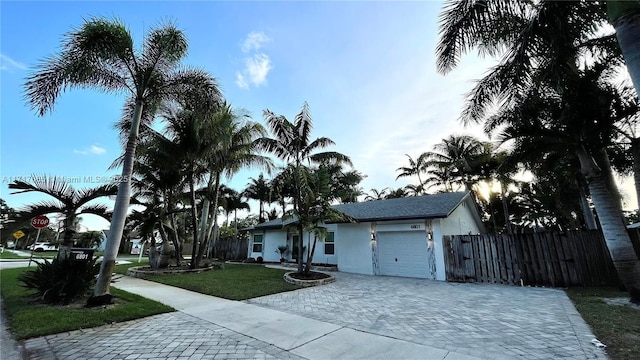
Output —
(61, 281)
(259, 259)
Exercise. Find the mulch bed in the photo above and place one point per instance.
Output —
(311, 276)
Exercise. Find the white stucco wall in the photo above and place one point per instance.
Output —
(460, 222)
(271, 240)
(353, 247)
(436, 229)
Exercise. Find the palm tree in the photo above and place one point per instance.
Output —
(543, 46)
(234, 148)
(376, 194)
(458, 154)
(415, 167)
(397, 193)
(100, 54)
(292, 144)
(258, 189)
(625, 18)
(69, 202)
(231, 203)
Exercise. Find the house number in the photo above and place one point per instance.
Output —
(415, 226)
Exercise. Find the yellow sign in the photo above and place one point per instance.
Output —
(18, 234)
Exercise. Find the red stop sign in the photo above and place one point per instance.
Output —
(40, 222)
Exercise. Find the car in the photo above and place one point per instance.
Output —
(43, 246)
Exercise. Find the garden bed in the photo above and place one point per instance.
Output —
(312, 279)
(144, 271)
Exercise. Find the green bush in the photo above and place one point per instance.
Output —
(61, 281)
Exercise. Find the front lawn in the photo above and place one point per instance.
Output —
(7, 254)
(234, 282)
(27, 319)
(616, 326)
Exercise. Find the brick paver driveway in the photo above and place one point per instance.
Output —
(489, 321)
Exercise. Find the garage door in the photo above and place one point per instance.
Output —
(403, 253)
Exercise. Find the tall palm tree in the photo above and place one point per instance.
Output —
(235, 147)
(292, 143)
(397, 193)
(543, 45)
(415, 168)
(625, 18)
(100, 54)
(458, 154)
(231, 203)
(258, 189)
(68, 201)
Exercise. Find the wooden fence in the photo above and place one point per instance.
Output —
(225, 249)
(577, 258)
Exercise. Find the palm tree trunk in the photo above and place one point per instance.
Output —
(625, 18)
(213, 237)
(635, 150)
(505, 209)
(602, 160)
(204, 217)
(310, 254)
(615, 233)
(196, 255)
(589, 220)
(120, 208)
(178, 243)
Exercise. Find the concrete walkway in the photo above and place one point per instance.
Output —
(207, 327)
(357, 317)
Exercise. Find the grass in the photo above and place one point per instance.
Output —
(10, 255)
(616, 326)
(234, 282)
(27, 318)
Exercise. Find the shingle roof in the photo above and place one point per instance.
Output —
(414, 207)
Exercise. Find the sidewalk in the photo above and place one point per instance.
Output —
(297, 335)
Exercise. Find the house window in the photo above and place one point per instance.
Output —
(257, 243)
(329, 244)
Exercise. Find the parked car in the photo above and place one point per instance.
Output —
(43, 246)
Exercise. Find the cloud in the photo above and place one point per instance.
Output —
(257, 66)
(94, 149)
(254, 41)
(7, 63)
(256, 69)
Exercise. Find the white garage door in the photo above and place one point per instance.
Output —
(403, 253)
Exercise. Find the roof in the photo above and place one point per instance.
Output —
(414, 207)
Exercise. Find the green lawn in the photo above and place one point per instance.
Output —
(616, 326)
(234, 282)
(27, 319)
(6, 254)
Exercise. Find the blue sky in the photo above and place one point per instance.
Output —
(367, 70)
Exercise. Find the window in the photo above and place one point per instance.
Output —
(257, 243)
(329, 244)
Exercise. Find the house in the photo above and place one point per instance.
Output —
(397, 237)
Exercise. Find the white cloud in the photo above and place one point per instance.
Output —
(7, 63)
(254, 41)
(256, 69)
(94, 149)
(241, 82)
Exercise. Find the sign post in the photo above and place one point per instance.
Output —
(39, 222)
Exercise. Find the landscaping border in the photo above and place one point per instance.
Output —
(307, 283)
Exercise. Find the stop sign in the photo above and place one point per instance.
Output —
(40, 222)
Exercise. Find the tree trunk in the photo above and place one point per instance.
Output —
(204, 217)
(101, 291)
(195, 254)
(635, 150)
(604, 164)
(589, 220)
(615, 233)
(178, 243)
(214, 222)
(625, 18)
(310, 254)
(300, 246)
(505, 208)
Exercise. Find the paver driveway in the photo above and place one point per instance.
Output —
(488, 321)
